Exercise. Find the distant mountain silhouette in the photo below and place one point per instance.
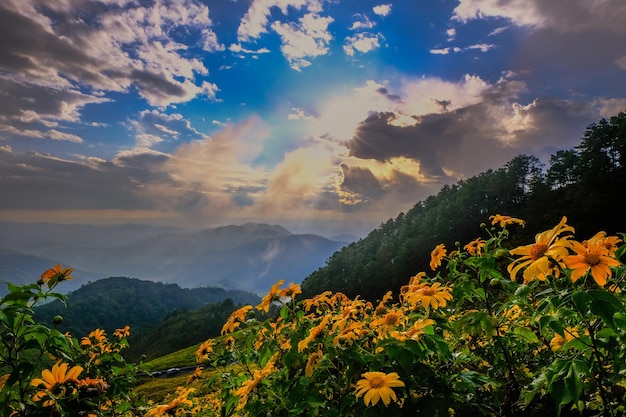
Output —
(251, 257)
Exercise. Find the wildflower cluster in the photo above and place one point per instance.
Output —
(539, 328)
(46, 372)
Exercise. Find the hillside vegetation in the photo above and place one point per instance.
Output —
(581, 183)
(115, 302)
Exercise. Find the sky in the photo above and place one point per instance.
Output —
(324, 116)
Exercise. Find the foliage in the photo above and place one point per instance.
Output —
(118, 301)
(536, 330)
(179, 330)
(45, 372)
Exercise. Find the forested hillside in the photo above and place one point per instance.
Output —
(118, 301)
(580, 183)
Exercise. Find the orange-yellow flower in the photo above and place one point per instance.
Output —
(291, 291)
(269, 298)
(558, 341)
(312, 362)
(317, 300)
(313, 334)
(235, 319)
(51, 378)
(181, 399)
(122, 333)
(434, 296)
(203, 351)
(505, 220)
(475, 247)
(437, 255)
(537, 257)
(594, 257)
(418, 328)
(56, 274)
(57, 375)
(610, 242)
(390, 320)
(375, 386)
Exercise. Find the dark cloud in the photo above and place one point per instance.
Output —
(361, 181)
(392, 97)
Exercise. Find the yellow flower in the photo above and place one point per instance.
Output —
(181, 399)
(203, 351)
(558, 341)
(390, 320)
(57, 376)
(536, 257)
(313, 334)
(378, 385)
(317, 300)
(418, 328)
(291, 291)
(504, 220)
(122, 333)
(475, 247)
(56, 274)
(235, 319)
(610, 242)
(591, 257)
(429, 295)
(270, 297)
(437, 255)
(312, 362)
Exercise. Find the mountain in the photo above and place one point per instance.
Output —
(249, 257)
(115, 302)
(20, 268)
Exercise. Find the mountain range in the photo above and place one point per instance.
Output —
(248, 257)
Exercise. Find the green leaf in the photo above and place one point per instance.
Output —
(526, 333)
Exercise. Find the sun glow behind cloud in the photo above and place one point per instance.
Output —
(210, 113)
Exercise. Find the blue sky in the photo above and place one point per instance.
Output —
(323, 116)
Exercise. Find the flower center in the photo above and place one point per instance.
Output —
(592, 259)
(377, 382)
(391, 319)
(428, 292)
(537, 250)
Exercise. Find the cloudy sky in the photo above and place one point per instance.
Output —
(325, 116)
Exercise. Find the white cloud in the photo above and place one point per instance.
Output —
(361, 22)
(382, 9)
(308, 38)
(299, 114)
(621, 62)
(42, 134)
(237, 48)
(498, 30)
(483, 47)
(451, 34)
(254, 23)
(441, 51)
(566, 16)
(361, 42)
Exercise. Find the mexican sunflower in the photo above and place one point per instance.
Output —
(56, 274)
(537, 257)
(504, 220)
(51, 378)
(437, 255)
(236, 318)
(434, 296)
(378, 385)
(594, 257)
(270, 297)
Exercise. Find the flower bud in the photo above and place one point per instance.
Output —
(57, 320)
